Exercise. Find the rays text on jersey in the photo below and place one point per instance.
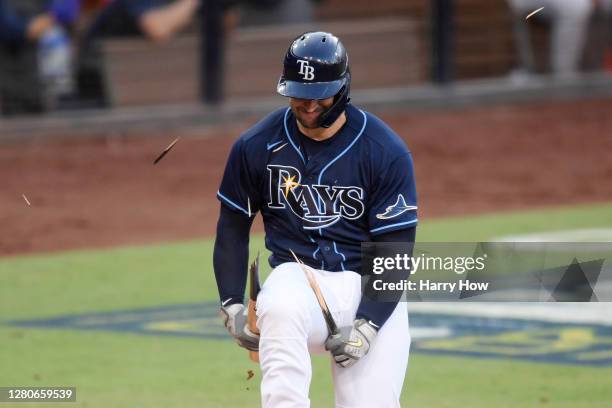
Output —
(318, 205)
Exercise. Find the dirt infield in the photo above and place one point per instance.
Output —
(105, 192)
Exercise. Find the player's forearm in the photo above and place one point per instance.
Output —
(231, 255)
(161, 23)
(38, 25)
(378, 312)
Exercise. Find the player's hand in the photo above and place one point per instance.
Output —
(235, 321)
(352, 343)
(64, 11)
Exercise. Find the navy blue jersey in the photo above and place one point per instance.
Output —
(322, 205)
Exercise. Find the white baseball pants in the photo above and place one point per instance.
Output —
(292, 326)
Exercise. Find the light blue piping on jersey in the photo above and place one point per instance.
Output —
(314, 254)
(289, 137)
(395, 225)
(233, 204)
(365, 122)
(341, 254)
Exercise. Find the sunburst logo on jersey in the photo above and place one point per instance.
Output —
(289, 184)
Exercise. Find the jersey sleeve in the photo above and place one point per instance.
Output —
(393, 205)
(238, 190)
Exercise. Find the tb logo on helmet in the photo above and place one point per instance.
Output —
(306, 70)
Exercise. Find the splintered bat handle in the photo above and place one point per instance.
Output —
(252, 306)
(252, 323)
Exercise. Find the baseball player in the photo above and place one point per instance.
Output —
(325, 176)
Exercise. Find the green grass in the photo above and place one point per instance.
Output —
(128, 370)
(486, 227)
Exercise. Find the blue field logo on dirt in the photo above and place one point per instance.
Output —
(439, 334)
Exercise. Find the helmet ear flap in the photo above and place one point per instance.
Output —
(330, 115)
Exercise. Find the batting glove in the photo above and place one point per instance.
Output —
(235, 321)
(352, 343)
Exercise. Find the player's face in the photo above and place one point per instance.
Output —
(307, 111)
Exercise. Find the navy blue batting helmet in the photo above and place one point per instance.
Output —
(316, 67)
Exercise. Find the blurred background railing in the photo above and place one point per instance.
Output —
(110, 54)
